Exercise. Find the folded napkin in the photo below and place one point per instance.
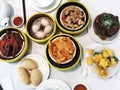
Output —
(6, 84)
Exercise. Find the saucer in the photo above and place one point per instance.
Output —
(54, 5)
(43, 3)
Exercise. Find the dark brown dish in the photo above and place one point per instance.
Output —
(11, 44)
(106, 25)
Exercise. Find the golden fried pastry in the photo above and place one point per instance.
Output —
(62, 49)
(24, 75)
(36, 77)
(28, 64)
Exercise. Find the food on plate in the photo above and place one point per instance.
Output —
(80, 87)
(36, 77)
(42, 27)
(61, 49)
(29, 64)
(102, 60)
(24, 75)
(11, 44)
(73, 17)
(29, 72)
(106, 25)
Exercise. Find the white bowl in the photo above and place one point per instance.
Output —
(67, 60)
(81, 83)
(15, 17)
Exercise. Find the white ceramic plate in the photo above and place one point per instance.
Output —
(91, 68)
(53, 84)
(97, 39)
(43, 3)
(42, 66)
(54, 5)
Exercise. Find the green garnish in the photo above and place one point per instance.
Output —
(95, 53)
(113, 57)
(108, 21)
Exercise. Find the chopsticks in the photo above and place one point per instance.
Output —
(24, 11)
(1, 87)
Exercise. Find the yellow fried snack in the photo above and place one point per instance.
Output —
(112, 63)
(101, 72)
(89, 60)
(103, 63)
(61, 49)
(97, 58)
(90, 51)
(103, 60)
(107, 53)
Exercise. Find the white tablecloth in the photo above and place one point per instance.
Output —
(73, 76)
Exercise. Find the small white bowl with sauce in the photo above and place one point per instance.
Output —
(80, 86)
(17, 21)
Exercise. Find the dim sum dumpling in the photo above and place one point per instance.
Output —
(36, 27)
(48, 29)
(44, 22)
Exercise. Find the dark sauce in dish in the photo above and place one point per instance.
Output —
(80, 87)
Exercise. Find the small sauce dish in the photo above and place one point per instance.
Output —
(17, 21)
(81, 86)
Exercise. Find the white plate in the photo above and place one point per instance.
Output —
(43, 3)
(97, 39)
(54, 5)
(91, 68)
(42, 66)
(53, 84)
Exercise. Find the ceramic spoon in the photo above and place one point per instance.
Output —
(84, 69)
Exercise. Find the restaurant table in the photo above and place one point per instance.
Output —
(75, 75)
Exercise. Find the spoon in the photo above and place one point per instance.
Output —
(84, 69)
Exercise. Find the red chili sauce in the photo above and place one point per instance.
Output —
(17, 21)
(80, 87)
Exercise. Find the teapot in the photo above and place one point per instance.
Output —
(4, 13)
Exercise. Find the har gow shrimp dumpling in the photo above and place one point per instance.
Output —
(41, 27)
